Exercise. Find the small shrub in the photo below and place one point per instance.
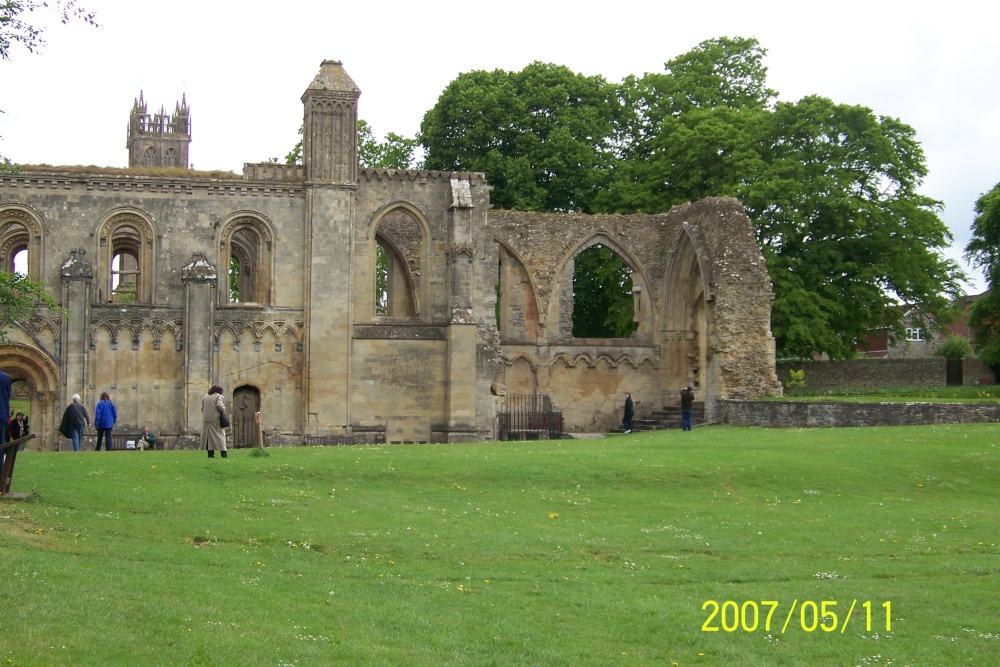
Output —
(796, 379)
(955, 347)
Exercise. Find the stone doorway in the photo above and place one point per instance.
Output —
(246, 403)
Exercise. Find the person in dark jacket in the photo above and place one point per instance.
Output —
(105, 416)
(75, 418)
(6, 388)
(18, 427)
(629, 413)
(687, 409)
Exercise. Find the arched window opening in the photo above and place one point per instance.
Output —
(170, 158)
(246, 251)
(14, 239)
(516, 305)
(603, 303)
(124, 277)
(393, 287)
(381, 281)
(126, 273)
(235, 271)
(20, 262)
(149, 157)
(125, 259)
(398, 255)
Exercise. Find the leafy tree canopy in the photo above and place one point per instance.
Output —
(983, 251)
(832, 189)
(16, 29)
(602, 295)
(19, 298)
(544, 136)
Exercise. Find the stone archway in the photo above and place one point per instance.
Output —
(26, 363)
(246, 403)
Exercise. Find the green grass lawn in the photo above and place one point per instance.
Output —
(588, 552)
(983, 394)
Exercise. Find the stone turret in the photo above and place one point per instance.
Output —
(330, 124)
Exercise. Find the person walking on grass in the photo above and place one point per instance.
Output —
(105, 416)
(629, 413)
(213, 437)
(75, 418)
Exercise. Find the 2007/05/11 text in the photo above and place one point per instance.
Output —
(731, 616)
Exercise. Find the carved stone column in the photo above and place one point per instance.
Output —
(200, 281)
(77, 276)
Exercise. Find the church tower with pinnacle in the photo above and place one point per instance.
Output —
(159, 140)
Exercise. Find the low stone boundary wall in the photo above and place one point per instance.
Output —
(803, 414)
(868, 373)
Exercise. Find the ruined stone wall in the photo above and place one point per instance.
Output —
(135, 350)
(703, 309)
(300, 338)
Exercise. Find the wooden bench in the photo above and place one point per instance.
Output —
(120, 440)
(10, 458)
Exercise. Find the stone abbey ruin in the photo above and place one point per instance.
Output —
(479, 302)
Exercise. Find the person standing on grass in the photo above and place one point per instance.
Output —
(6, 386)
(75, 418)
(687, 409)
(629, 413)
(213, 437)
(105, 416)
(18, 428)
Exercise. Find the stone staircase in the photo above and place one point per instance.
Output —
(669, 416)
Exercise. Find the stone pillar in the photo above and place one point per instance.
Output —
(462, 339)
(329, 151)
(200, 280)
(77, 277)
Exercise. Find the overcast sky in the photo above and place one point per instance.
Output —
(244, 66)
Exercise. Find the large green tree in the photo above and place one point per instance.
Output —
(832, 189)
(545, 137)
(983, 251)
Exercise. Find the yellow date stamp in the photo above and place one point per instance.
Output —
(825, 615)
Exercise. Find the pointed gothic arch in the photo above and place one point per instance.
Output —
(518, 306)
(402, 232)
(561, 303)
(246, 253)
(687, 313)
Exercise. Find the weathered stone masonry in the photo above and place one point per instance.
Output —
(141, 263)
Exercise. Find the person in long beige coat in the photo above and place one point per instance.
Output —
(213, 437)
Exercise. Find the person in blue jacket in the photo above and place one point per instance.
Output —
(105, 417)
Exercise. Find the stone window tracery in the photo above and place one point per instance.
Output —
(246, 249)
(125, 260)
(149, 157)
(399, 250)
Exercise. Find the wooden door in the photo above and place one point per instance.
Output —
(246, 403)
